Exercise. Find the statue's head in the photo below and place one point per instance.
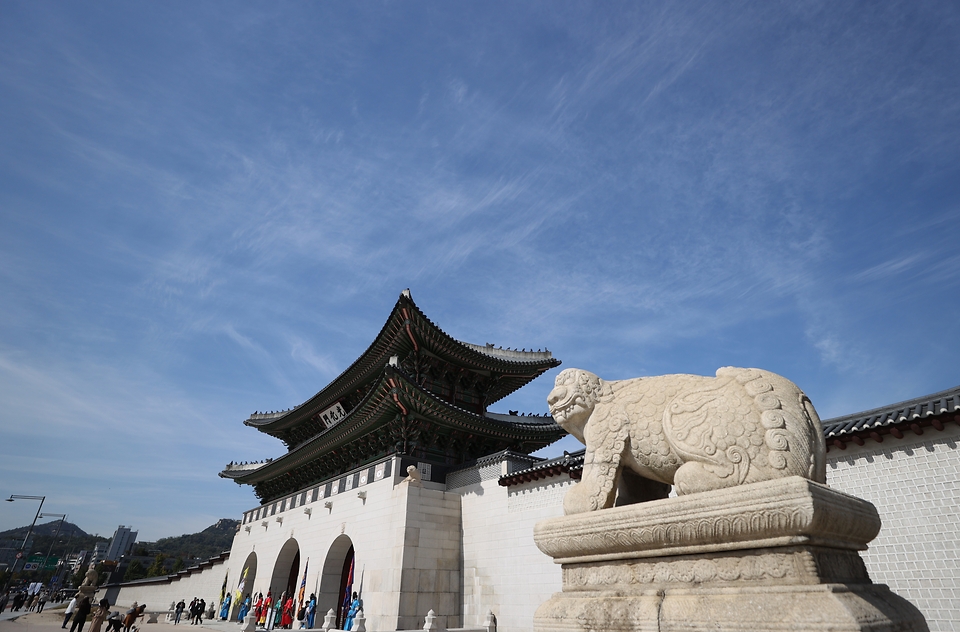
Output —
(575, 394)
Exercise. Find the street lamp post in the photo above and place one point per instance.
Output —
(55, 536)
(12, 498)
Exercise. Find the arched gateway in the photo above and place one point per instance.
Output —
(245, 582)
(419, 398)
(336, 578)
(286, 570)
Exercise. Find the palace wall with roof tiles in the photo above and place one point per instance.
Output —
(503, 570)
(160, 594)
(915, 484)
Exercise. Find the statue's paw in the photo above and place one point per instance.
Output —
(579, 500)
(693, 477)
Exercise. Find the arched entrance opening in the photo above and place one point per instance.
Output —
(248, 575)
(284, 578)
(336, 580)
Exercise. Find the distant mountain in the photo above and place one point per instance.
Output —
(46, 529)
(210, 542)
(71, 539)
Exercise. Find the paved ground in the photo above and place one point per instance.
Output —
(51, 618)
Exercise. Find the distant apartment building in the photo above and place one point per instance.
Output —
(99, 552)
(76, 561)
(121, 543)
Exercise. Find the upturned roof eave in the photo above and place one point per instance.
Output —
(370, 360)
(370, 410)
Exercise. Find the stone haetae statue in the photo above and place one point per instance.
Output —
(755, 539)
(89, 586)
(91, 577)
(698, 433)
(413, 476)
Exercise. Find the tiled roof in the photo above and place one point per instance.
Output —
(571, 464)
(921, 408)
(371, 429)
(516, 368)
(515, 355)
(522, 420)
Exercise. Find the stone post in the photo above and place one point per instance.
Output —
(490, 622)
(249, 623)
(431, 623)
(329, 621)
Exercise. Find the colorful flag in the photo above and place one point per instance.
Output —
(243, 581)
(223, 589)
(303, 584)
(345, 606)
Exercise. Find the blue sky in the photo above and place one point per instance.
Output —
(208, 209)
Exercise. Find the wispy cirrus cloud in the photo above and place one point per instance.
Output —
(208, 218)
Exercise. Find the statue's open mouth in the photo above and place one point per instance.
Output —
(562, 410)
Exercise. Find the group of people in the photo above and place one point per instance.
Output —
(281, 613)
(24, 599)
(80, 609)
(197, 606)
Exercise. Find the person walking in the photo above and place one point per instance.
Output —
(130, 617)
(196, 612)
(80, 616)
(114, 623)
(137, 613)
(178, 612)
(69, 612)
(43, 600)
(99, 615)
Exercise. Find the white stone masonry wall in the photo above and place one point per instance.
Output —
(205, 584)
(503, 570)
(915, 484)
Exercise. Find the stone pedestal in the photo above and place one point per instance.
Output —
(777, 555)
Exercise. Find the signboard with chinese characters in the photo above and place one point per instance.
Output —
(332, 415)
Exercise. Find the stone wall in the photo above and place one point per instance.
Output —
(503, 570)
(407, 552)
(430, 559)
(373, 524)
(159, 594)
(915, 484)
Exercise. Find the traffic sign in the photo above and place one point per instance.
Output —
(19, 554)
